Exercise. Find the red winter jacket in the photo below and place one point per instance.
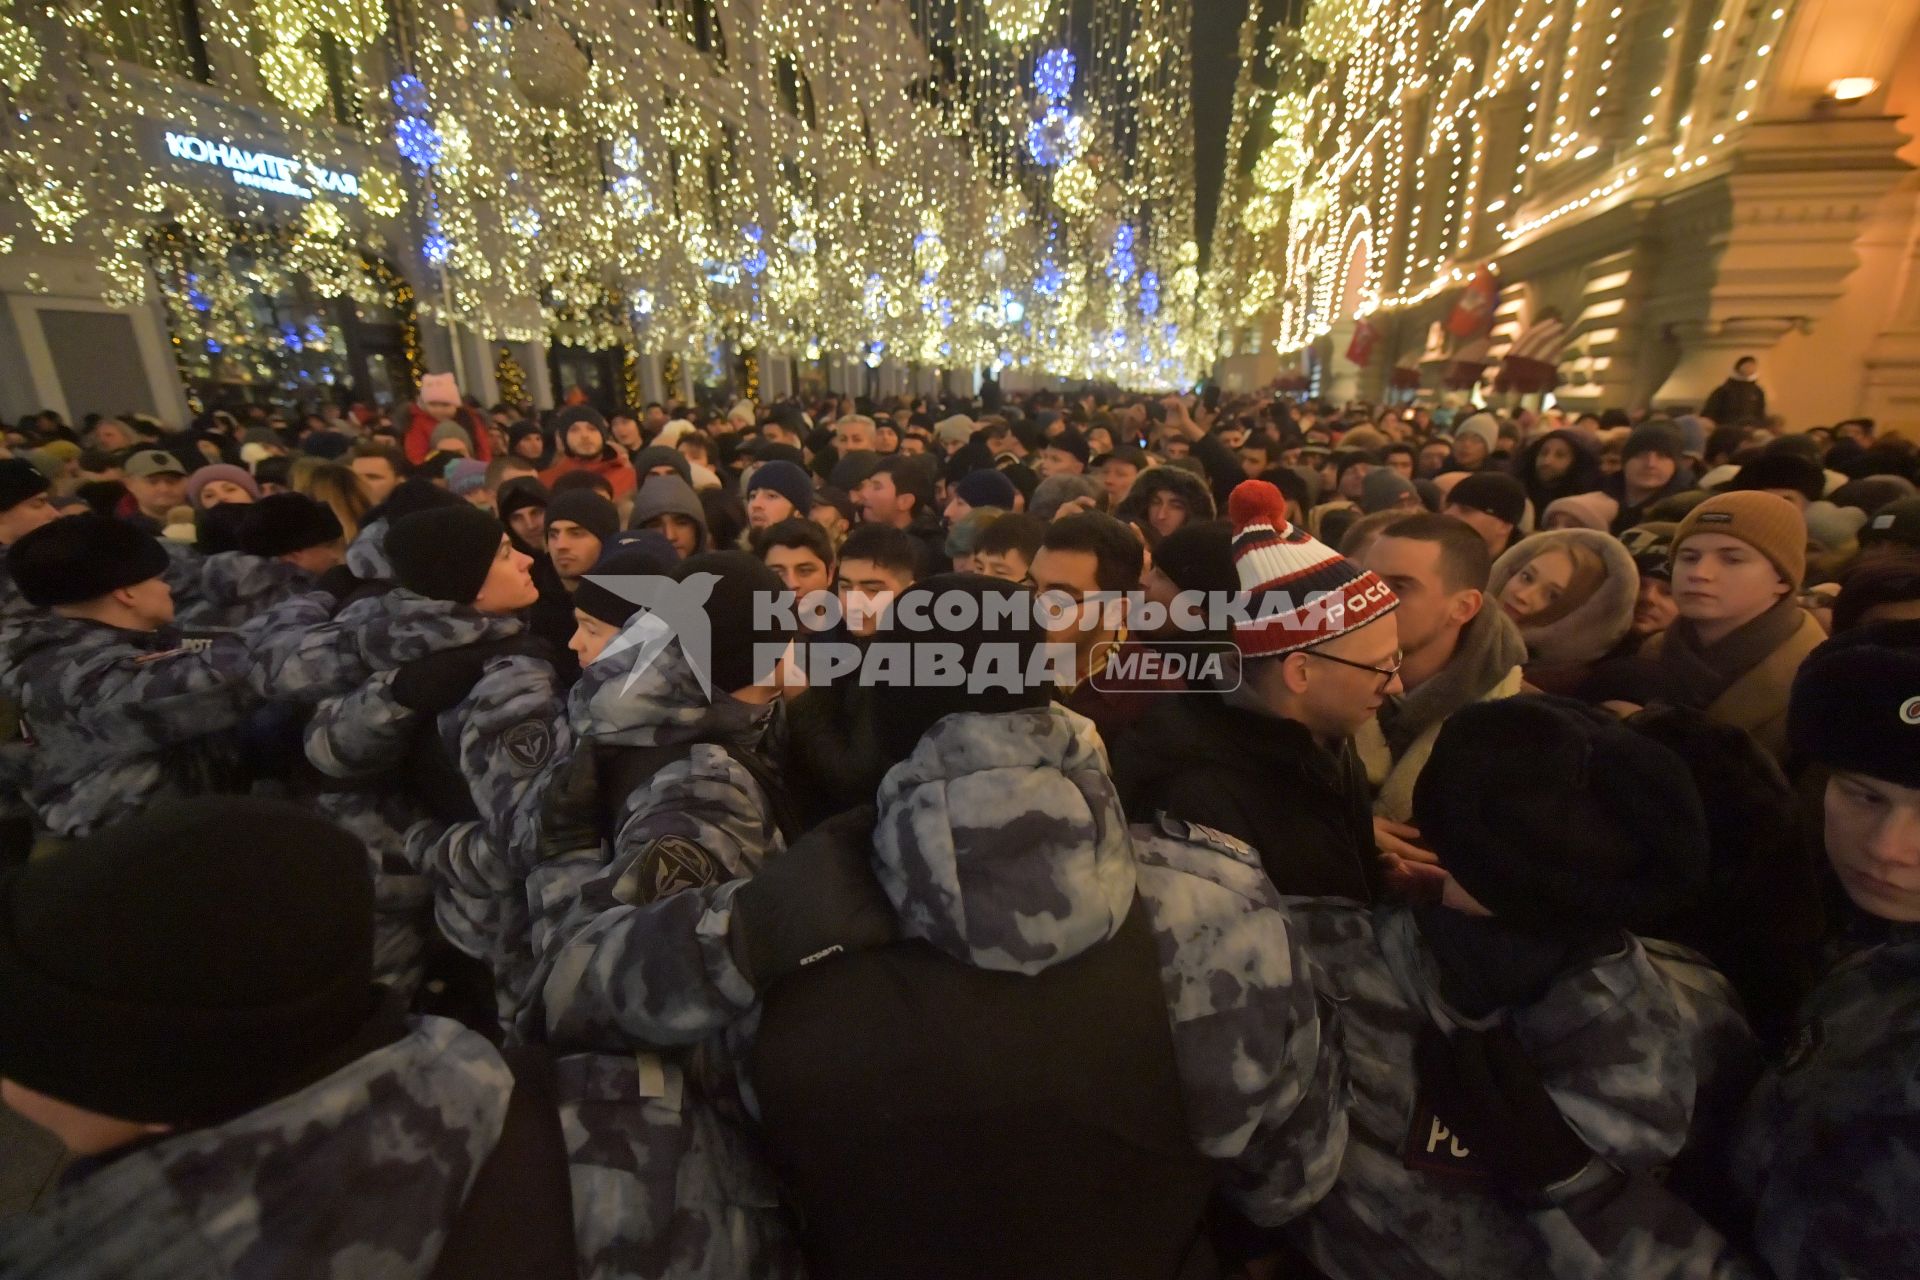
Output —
(420, 425)
(611, 463)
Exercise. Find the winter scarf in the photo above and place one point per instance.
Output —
(1489, 647)
(1710, 670)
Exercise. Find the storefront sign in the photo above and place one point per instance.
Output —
(262, 169)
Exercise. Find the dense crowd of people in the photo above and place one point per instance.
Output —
(1438, 843)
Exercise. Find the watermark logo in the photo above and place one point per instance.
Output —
(1165, 666)
(675, 610)
(1017, 639)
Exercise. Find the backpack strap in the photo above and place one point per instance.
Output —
(518, 1218)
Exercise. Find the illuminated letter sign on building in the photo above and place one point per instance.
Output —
(262, 169)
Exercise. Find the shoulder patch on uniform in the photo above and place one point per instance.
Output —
(1181, 829)
(529, 745)
(672, 863)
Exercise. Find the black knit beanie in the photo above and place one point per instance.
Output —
(1856, 703)
(282, 523)
(741, 653)
(217, 528)
(587, 509)
(1655, 435)
(569, 417)
(639, 554)
(19, 480)
(903, 712)
(1782, 470)
(1557, 816)
(79, 558)
(188, 964)
(659, 455)
(444, 553)
(521, 492)
(1492, 492)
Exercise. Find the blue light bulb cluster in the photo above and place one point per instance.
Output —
(1121, 264)
(1053, 74)
(1054, 137)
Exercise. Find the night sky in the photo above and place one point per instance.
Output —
(1216, 63)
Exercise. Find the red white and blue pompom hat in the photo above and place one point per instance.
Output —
(1300, 592)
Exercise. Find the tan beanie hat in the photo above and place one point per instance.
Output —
(1764, 521)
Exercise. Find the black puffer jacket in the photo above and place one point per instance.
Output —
(1263, 780)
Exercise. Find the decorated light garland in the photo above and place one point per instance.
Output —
(613, 173)
(1391, 138)
(509, 377)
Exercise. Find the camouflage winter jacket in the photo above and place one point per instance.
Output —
(367, 553)
(358, 1174)
(1612, 1043)
(700, 820)
(233, 586)
(1830, 1147)
(668, 1179)
(1001, 841)
(504, 736)
(117, 719)
(1827, 1154)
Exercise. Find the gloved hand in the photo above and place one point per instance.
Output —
(339, 582)
(570, 811)
(1503, 1108)
(818, 898)
(439, 681)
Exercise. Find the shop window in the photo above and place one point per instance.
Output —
(163, 35)
(796, 93)
(343, 98)
(248, 326)
(705, 29)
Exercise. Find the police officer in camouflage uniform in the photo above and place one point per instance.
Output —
(667, 795)
(287, 541)
(1561, 830)
(1828, 1152)
(119, 707)
(1085, 1027)
(458, 723)
(191, 1010)
(24, 507)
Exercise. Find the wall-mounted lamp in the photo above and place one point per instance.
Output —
(1852, 88)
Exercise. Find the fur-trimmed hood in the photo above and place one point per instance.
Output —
(1180, 482)
(1594, 628)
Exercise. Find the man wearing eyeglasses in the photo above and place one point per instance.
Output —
(1269, 758)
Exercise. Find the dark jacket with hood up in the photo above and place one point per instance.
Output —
(1178, 481)
(1582, 477)
(1259, 779)
(1082, 1027)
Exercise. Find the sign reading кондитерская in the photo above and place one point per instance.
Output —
(262, 169)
